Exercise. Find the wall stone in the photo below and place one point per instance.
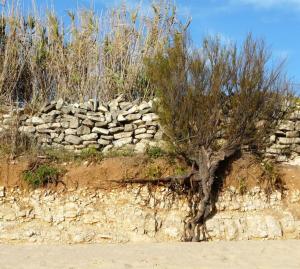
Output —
(136, 213)
(118, 123)
(89, 125)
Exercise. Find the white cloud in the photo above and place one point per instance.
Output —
(268, 3)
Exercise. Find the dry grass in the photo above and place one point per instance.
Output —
(94, 56)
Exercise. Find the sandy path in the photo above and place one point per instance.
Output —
(247, 254)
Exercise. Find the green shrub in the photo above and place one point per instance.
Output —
(153, 172)
(41, 175)
(155, 152)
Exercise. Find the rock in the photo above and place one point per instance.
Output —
(48, 107)
(73, 123)
(274, 228)
(73, 139)
(140, 131)
(59, 139)
(141, 146)
(59, 104)
(100, 131)
(92, 136)
(116, 129)
(70, 131)
(66, 109)
(88, 123)
(102, 108)
(286, 126)
(103, 142)
(113, 105)
(257, 227)
(83, 130)
(107, 137)
(122, 142)
(144, 105)
(292, 134)
(97, 118)
(101, 124)
(132, 117)
(121, 118)
(297, 126)
(123, 135)
(295, 115)
(2, 191)
(27, 129)
(288, 141)
(143, 136)
(37, 121)
(150, 117)
(128, 127)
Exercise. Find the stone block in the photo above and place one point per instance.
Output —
(103, 142)
(99, 130)
(37, 120)
(27, 129)
(71, 131)
(140, 131)
(150, 117)
(73, 139)
(92, 136)
(286, 126)
(144, 136)
(133, 117)
(122, 142)
(288, 141)
(123, 135)
(292, 134)
(83, 130)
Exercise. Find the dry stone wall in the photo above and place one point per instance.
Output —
(118, 123)
(286, 140)
(137, 213)
(90, 125)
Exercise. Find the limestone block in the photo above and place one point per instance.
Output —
(27, 129)
(140, 131)
(150, 117)
(73, 139)
(144, 136)
(133, 117)
(83, 130)
(286, 126)
(99, 130)
(292, 134)
(122, 142)
(123, 135)
(103, 142)
(87, 137)
(37, 120)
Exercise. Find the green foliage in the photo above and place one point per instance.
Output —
(153, 171)
(89, 154)
(271, 177)
(180, 170)
(155, 152)
(121, 152)
(242, 187)
(217, 89)
(41, 175)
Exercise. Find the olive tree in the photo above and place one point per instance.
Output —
(213, 102)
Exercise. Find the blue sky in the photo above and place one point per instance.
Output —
(277, 21)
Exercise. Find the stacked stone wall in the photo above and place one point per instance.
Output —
(89, 125)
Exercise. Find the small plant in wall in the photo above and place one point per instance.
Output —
(40, 174)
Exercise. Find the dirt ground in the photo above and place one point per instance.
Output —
(104, 174)
(216, 255)
(91, 174)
